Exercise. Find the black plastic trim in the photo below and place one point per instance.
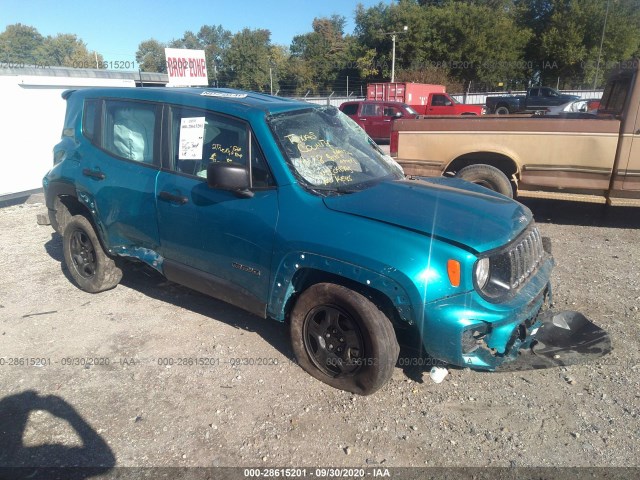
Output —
(213, 286)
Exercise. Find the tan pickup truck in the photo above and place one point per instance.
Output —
(581, 157)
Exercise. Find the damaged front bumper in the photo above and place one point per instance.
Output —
(564, 338)
(469, 332)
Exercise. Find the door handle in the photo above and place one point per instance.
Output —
(170, 197)
(98, 175)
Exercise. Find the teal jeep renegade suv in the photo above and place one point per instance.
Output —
(290, 211)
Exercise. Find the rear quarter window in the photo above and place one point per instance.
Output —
(89, 119)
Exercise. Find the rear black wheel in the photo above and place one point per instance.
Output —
(487, 176)
(502, 110)
(341, 338)
(90, 267)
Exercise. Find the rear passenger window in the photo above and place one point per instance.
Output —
(89, 119)
(129, 130)
(372, 109)
(200, 137)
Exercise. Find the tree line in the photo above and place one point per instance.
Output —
(24, 45)
(468, 45)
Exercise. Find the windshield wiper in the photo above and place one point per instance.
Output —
(333, 190)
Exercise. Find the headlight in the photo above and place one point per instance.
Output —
(501, 273)
(481, 272)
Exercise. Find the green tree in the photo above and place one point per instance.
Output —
(567, 34)
(18, 44)
(67, 50)
(24, 44)
(247, 60)
(326, 51)
(453, 40)
(215, 40)
(150, 56)
(570, 42)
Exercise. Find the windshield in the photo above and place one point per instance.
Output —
(327, 151)
(411, 110)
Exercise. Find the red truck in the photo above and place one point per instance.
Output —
(426, 99)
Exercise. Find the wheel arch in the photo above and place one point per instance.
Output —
(503, 162)
(294, 278)
(64, 206)
(63, 203)
(506, 105)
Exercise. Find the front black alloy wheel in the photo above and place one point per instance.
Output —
(333, 340)
(341, 338)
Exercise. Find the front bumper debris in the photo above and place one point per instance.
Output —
(564, 338)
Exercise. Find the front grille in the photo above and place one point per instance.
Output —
(524, 256)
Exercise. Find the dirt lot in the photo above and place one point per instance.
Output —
(108, 379)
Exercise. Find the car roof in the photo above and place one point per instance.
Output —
(224, 99)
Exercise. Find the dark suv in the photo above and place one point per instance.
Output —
(290, 211)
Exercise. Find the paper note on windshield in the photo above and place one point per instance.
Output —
(191, 138)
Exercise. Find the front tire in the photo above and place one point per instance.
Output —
(487, 176)
(341, 338)
(90, 267)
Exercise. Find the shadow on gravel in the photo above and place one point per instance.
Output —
(49, 460)
(137, 276)
(583, 214)
(148, 281)
(54, 249)
(144, 279)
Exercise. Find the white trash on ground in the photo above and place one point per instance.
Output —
(438, 374)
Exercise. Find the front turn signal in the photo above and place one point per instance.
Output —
(453, 270)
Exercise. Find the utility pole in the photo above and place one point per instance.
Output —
(595, 81)
(393, 50)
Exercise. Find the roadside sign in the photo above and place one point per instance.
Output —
(185, 67)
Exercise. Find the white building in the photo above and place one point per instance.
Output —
(33, 114)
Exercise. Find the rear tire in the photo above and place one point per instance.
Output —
(502, 110)
(90, 267)
(341, 338)
(487, 176)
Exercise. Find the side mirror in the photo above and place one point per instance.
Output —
(398, 115)
(232, 177)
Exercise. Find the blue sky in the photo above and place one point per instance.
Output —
(115, 28)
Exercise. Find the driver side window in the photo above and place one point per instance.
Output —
(200, 137)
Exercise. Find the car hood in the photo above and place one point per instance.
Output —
(453, 210)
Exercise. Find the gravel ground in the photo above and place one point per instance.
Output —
(138, 411)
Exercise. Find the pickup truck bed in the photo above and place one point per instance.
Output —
(593, 159)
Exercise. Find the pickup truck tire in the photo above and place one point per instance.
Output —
(502, 110)
(487, 176)
(341, 338)
(90, 267)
